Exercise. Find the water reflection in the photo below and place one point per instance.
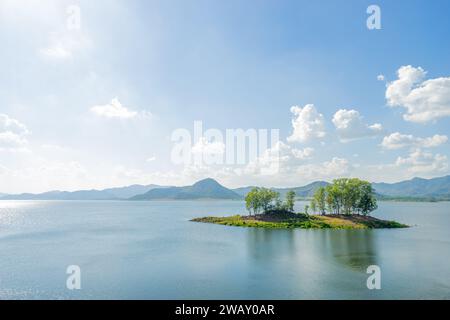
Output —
(266, 244)
(355, 249)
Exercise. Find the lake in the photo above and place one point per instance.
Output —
(150, 250)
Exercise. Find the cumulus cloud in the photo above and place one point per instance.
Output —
(9, 140)
(65, 45)
(115, 110)
(380, 77)
(9, 124)
(420, 162)
(397, 141)
(208, 151)
(57, 51)
(279, 158)
(307, 124)
(350, 125)
(12, 134)
(279, 165)
(424, 101)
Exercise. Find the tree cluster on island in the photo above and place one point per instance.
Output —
(263, 200)
(345, 196)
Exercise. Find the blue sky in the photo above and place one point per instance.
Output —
(229, 64)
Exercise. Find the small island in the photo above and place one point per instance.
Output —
(344, 204)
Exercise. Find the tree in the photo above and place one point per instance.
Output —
(267, 198)
(290, 201)
(345, 196)
(366, 202)
(306, 209)
(313, 205)
(253, 201)
(261, 199)
(319, 200)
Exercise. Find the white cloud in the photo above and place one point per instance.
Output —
(12, 125)
(40, 175)
(151, 159)
(380, 77)
(114, 110)
(425, 163)
(424, 101)
(57, 51)
(65, 45)
(277, 165)
(336, 167)
(277, 159)
(307, 124)
(350, 125)
(397, 141)
(12, 134)
(10, 140)
(206, 148)
(303, 153)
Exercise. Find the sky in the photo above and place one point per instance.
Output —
(92, 93)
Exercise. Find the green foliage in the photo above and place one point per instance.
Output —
(263, 200)
(290, 201)
(291, 220)
(319, 201)
(253, 201)
(345, 196)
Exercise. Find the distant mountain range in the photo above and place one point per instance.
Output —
(417, 188)
(437, 188)
(120, 193)
(203, 189)
(303, 192)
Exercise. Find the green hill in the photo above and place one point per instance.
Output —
(203, 189)
(436, 188)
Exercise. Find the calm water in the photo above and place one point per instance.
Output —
(150, 250)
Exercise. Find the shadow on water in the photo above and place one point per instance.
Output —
(354, 249)
(266, 244)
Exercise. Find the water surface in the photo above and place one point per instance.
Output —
(150, 250)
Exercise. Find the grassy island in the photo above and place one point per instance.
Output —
(344, 204)
(304, 221)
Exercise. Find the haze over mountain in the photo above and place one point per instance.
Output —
(119, 193)
(436, 188)
(203, 189)
(305, 191)
(416, 187)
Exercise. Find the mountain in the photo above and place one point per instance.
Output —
(203, 189)
(119, 193)
(243, 190)
(417, 187)
(62, 195)
(303, 192)
(131, 191)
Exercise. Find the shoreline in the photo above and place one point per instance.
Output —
(302, 221)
